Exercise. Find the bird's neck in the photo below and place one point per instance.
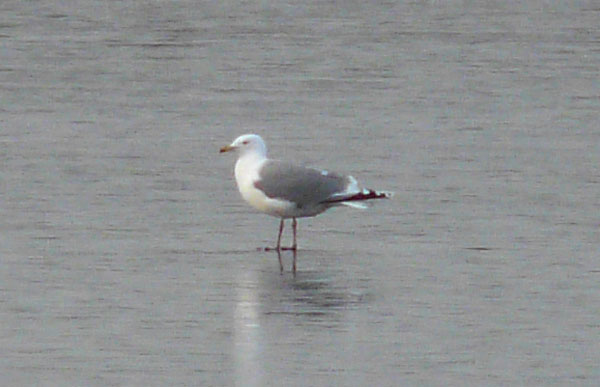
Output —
(247, 167)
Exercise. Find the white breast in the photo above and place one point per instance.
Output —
(246, 174)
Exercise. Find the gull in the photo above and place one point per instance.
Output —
(285, 190)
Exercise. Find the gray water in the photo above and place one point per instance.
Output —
(128, 258)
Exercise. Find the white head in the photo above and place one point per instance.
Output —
(248, 143)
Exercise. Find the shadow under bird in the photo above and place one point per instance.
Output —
(286, 190)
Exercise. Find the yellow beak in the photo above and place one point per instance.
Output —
(226, 148)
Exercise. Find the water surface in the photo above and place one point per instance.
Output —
(128, 258)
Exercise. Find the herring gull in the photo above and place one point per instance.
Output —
(288, 191)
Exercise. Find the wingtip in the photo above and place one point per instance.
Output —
(386, 194)
(365, 194)
(377, 194)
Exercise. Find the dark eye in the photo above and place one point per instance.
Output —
(245, 142)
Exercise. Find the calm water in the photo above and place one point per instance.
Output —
(127, 256)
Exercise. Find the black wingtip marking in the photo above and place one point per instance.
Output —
(366, 194)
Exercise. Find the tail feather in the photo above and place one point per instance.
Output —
(357, 205)
(365, 194)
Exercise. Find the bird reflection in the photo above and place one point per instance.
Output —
(295, 253)
(247, 330)
(267, 305)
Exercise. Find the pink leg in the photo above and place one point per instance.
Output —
(279, 236)
(294, 225)
(278, 247)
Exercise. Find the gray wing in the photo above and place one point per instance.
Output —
(303, 186)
